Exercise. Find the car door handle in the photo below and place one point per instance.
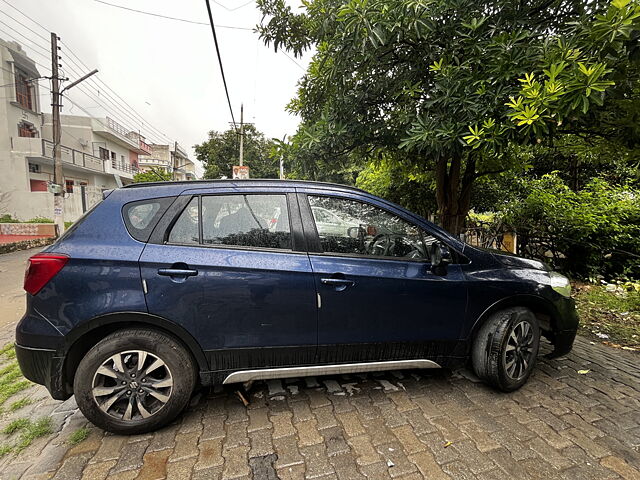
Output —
(340, 284)
(177, 272)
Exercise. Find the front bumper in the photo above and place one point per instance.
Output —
(566, 327)
(42, 366)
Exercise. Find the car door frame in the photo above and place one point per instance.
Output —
(440, 352)
(238, 358)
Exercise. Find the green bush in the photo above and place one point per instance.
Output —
(6, 218)
(594, 231)
(39, 220)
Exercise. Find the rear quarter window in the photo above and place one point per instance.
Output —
(141, 217)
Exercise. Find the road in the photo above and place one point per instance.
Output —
(12, 267)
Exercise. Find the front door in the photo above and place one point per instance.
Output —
(379, 299)
(229, 272)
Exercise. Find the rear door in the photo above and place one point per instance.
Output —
(379, 299)
(230, 266)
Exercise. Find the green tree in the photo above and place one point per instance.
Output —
(154, 174)
(452, 84)
(220, 152)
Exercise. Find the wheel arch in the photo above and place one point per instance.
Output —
(81, 339)
(541, 308)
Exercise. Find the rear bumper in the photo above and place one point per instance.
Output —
(42, 366)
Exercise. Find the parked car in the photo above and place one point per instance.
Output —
(163, 287)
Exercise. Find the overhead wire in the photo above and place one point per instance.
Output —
(233, 9)
(141, 120)
(169, 17)
(97, 81)
(224, 80)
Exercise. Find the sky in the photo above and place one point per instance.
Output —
(166, 70)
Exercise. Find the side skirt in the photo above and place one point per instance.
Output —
(289, 372)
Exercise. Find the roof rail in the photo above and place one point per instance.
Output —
(235, 181)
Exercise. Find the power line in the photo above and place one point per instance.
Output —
(12, 37)
(24, 15)
(234, 8)
(140, 119)
(106, 87)
(195, 22)
(224, 80)
(154, 133)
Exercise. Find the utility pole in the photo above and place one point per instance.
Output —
(56, 94)
(175, 159)
(58, 196)
(282, 160)
(241, 135)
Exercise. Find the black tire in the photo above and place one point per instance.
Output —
(503, 354)
(151, 394)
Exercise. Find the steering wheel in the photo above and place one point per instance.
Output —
(381, 243)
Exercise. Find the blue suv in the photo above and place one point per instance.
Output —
(165, 286)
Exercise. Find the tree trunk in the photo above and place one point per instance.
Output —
(453, 192)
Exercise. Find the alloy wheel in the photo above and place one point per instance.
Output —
(519, 350)
(132, 385)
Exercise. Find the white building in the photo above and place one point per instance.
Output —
(171, 159)
(97, 153)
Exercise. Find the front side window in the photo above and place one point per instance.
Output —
(260, 221)
(351, 227)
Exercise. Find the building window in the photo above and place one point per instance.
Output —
(38, 185)
(24, 90)
(104, 153)
(34, 168)
(69, 186)
(27, 130)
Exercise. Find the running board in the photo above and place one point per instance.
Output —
(292, 372)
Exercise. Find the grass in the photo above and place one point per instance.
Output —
(609, 311)
(29, 431)
(20, 403)
(11, 379)
(8, 351)
(79, 436)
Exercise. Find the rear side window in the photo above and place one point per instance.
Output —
(260, 221)
(141, 217)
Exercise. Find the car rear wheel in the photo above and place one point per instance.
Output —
(506, 347)
(134, 381)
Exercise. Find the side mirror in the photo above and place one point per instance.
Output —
(353, 232)
(440, 258)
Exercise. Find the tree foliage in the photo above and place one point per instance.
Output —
(450, 86)
(153, 174)
(593, 231)
(220, 152)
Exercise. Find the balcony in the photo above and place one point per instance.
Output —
(153, 162)
(41, 150)
(121, 135)
(127, 169)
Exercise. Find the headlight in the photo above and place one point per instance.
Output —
(560, 284)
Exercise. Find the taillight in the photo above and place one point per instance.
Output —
(42, 267)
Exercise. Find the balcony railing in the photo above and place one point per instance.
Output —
(125, 167)
(153, 161)
(74, 157)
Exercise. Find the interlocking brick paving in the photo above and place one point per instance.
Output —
(409, 424)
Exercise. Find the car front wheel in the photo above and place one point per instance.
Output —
(134, 381)
(506, 347)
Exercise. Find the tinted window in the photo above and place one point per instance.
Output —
(186, 228)
(141, 217)
(246, 220)
(352, 227)
(236, 220)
